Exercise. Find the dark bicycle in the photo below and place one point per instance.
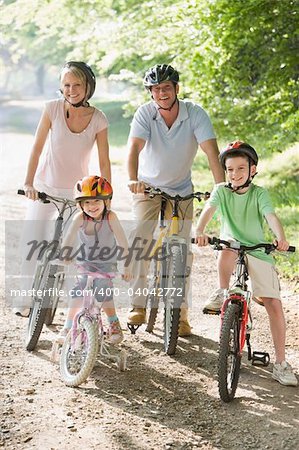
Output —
(48, 278)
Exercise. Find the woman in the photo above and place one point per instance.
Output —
(72, 127)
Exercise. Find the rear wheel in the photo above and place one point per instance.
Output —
(173, 272)
(42, 287)
(229, 359)
(78, 358)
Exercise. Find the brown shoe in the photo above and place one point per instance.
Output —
(136, 316)
(184, 328)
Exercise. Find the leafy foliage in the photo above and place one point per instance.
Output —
(238, 59)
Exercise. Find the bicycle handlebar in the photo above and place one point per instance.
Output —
(46, 198)
(235, 245)
(152, 192)
(41, 195)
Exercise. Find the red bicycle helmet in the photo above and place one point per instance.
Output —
(239, 148)
(93, 187)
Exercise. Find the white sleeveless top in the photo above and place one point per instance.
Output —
(67, 157)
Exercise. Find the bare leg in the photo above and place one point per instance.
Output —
(277, 326)
(226, 264)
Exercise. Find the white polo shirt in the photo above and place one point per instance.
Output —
(167, 157)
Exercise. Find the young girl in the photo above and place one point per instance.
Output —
(96, 227)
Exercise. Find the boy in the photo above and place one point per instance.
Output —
(243, 207)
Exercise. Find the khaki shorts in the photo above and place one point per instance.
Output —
(263, 279)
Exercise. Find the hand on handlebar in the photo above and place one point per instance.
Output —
(30, 192)
(281, 245)
(137, 187)
(202, 239)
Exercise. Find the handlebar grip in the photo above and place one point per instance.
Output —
(41, 195)
(291, 248)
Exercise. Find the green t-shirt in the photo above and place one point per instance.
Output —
(242, 215)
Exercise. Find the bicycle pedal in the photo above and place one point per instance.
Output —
(260, 359)
(211, 312)
(133, 328)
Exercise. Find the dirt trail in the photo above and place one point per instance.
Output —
(160, 402)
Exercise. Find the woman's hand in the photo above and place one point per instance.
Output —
(30, 192)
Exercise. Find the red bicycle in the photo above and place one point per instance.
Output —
(236, 321)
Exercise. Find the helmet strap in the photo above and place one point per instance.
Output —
(167, 109)
(246, 184)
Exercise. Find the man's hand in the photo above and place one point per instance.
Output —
(137, 187)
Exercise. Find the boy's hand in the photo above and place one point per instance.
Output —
(281, 245)
(202, 239)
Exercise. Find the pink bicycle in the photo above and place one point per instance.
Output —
(87, 338)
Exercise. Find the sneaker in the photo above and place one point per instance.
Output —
(21, 312)
(136, 316)
(283, 373)
(115, 332)
(184, 328)
(214, 303)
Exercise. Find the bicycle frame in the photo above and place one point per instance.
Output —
(87, 331)
(240, 294)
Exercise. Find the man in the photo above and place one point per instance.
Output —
(163, 141)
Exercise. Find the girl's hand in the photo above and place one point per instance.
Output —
(281, 245)
(127, 275)
(202, 239)
(30, 192)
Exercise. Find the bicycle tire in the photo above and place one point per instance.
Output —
(43, 281)
(51, 311)
(153, 299)
(229, 359)
(174, 276)
(83, 357)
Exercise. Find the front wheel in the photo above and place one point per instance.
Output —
(229, 359)
(42, 287)
(78, 358)
(153, 296)
(57, 286)
(173, 272)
